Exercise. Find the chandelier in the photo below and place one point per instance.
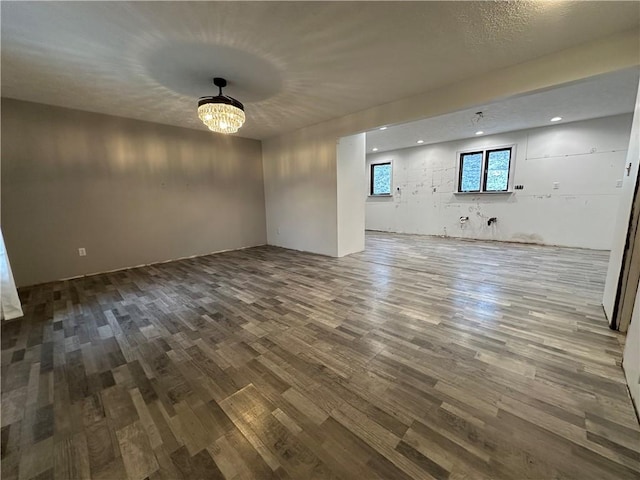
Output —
(221, 113)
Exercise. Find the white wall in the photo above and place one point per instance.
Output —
(584, 158)
(631, 359)
(300, 167)
(350, 164)
(300, 193)
(9, 300)
(623, 214)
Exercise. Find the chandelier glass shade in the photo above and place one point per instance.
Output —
(221, 113)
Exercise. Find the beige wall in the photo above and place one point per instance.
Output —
(300, 167)
(130, 192)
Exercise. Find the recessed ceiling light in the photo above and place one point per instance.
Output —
(383, 128)
(479, 132)
(556, 119)
(374, 149)
(420, 141)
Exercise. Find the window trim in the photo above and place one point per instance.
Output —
(483, 179)
(371, 169)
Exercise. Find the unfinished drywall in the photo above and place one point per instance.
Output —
(300, 167)
(129, 192)
(571, 174)
(350, 164)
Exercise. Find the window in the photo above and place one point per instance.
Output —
(496, 170)
(485, 170)
(381, 179)
(470, 171)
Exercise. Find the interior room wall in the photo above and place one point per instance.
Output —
(300, 167)
(127, 191)
(350, 163)
(623, 214)
(300, 192)
(584, 160)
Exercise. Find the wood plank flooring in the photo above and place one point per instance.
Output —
(418, 358)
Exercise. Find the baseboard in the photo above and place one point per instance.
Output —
(144, 265)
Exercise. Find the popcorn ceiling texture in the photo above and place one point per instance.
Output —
(292, 64)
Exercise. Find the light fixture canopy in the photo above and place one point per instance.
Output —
(222, 114)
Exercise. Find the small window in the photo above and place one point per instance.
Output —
(381, 179)
(485, 171)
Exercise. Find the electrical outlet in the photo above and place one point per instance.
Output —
(556, 185)
(82, 252)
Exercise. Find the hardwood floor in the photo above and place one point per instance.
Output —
(419, 358)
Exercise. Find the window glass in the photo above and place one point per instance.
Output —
(498, 161)
(381, 179)
(470, 172)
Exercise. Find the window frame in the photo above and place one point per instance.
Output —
(371, 173)
(484, 169)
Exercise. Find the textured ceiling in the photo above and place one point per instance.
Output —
(602, 96)
(292, 64)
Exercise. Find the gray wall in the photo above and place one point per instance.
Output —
(130, 192)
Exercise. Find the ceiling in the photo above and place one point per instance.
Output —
(292, 64)
(602, 96)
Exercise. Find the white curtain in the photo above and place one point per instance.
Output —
(9, 300)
